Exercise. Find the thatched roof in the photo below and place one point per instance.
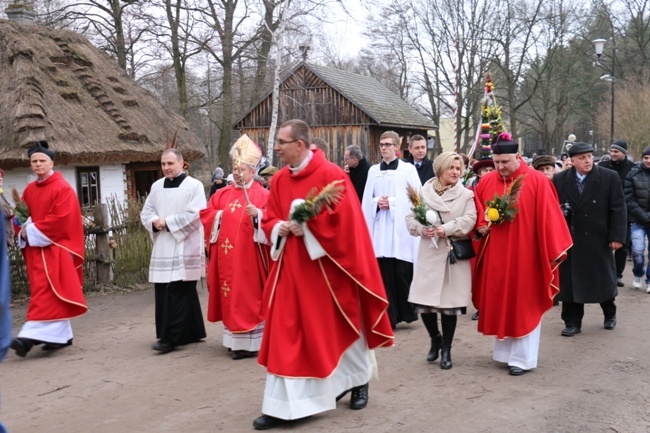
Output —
(56, 86)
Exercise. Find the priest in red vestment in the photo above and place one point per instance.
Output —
(516, 274)
(325, 302)
(52, 240)
(238, 254)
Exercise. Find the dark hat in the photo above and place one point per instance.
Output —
(646, 151)
(482, 163)
(578, 147)
(503, 144)
(41, 147)
(619, 145)
(542, 161)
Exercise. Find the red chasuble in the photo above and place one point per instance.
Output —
(55, 272)
(236, 267)
(316, 309)
(516, 275)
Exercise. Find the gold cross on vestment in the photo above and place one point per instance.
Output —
(225, 289)
(227, 246)
(235, 205)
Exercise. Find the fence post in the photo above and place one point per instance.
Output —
(103, 254)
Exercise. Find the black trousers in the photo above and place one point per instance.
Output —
(397, 275)
(573, 312)
(179, 319)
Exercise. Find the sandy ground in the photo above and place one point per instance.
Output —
(111, 381)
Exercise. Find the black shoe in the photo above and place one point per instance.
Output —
(359, 398)
(445, 358)
(267, 422)
(436, 342)
(610, 323)
(619, 282)
(475, 316)
(517, 371)
(57, 346)
(22, 346)
(242, 354)
(570, 331)
(163, 347)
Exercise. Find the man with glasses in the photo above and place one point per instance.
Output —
(592, 198)
(325, 303)
(357, 167)
(385, 205)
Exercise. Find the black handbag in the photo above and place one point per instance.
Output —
(460, 249)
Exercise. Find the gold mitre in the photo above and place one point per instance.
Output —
(245, 150)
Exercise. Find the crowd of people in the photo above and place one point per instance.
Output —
(312, 267)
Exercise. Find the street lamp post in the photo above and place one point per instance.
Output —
(599, 44)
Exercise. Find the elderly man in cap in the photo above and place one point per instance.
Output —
(622, 165)
(515, 278)
(52, 239)
(546, 165)
(592, 200)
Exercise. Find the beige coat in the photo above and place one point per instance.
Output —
(436, 283)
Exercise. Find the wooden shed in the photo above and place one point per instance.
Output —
(341, 107)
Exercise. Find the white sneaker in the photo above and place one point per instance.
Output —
(636, 282)
(647, 289)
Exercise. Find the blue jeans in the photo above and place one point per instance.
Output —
(640, 233)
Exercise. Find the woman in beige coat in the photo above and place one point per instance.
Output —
(439, 287)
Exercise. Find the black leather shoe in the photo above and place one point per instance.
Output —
(163, 347)
(436, 342)
(267, 422)
(56, 346)
(341, 395)
(570, 331)
(242, 354)
(475, 316)
(359, 398)
(517, 371)
(445, 358)
(22, 346)
(610, 323)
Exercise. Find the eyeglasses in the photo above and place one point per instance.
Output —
(386, 144)
(282, 143)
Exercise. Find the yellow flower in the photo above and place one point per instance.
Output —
(493, 214)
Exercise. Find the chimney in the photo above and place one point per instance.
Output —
(20, 13)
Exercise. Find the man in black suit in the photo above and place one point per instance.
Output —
(357, 167)
(418, 157)
(593, 204)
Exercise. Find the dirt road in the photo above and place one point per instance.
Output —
(111, 381)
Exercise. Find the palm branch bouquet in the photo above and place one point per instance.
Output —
(502, 208)
(424, 216)
(21, 213)
(314, 203)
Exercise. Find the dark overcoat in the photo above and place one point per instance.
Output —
(597, 217)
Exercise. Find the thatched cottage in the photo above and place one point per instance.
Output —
(107, 131)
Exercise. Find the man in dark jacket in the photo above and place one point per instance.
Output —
(637, 197)
(418, 157)
(592, 200)
(620, 164)
(357, 166)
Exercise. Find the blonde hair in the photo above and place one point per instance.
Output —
(393, 136)
(444, 161)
